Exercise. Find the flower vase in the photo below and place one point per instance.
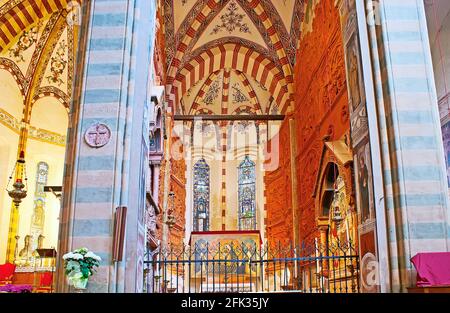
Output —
(78, 283)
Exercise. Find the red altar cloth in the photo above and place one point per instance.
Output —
(433, 269)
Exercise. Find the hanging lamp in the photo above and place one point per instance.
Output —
(18, 190)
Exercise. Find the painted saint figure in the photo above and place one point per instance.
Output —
(364, 189)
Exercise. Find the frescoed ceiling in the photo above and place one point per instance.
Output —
(36, 55)
(252, 41)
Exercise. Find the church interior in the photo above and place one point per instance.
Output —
(172, 146)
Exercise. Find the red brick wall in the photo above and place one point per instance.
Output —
(178, 186)
(278, 192)
(321, 108)
(321, 104)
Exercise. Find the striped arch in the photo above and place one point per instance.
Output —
(251, 92)
(16, 73)
(190, 34)
(195, 29)
(237, 57)
(17, 16)
(245, 109)
(196, 104)
(203, 111)
(271, 30)
(50, 91)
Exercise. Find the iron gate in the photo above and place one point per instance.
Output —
(246, 268)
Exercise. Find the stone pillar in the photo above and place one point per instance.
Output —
(413, 168)
(323, 226)
(365, 145)
(105, 164)
(155, 179)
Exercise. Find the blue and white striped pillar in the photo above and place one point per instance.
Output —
(112, 88)
(412, 155)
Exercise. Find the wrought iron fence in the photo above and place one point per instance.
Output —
(245, 267)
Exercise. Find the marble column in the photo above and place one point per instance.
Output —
(111, 80)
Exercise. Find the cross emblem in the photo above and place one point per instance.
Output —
(98, 135)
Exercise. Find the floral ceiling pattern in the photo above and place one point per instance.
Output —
(264, 34)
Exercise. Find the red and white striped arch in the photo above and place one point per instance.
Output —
(14, 19)
(271, 30)
(234, 56)
(251, 92)
(246, 109)
(194, 32)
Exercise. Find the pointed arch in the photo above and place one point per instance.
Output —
(17, 16)
(237, 57)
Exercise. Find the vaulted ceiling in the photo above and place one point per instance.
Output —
(226, 54)
(37, 49)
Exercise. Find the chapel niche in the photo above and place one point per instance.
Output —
(335, 211)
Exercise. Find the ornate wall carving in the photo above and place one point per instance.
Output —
(321, 107)
(279, 204)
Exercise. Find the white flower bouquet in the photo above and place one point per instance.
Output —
(79, 265)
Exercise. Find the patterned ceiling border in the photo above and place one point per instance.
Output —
(70, 59)
(169, 30)
(17, 16)
(279, 26)
(14, 70)
(33, 132)
(51, 91)
(40, 45)
(8, 6)
(280, 52)
(233, 40)
(50, 45)
(236, 56)
(297, 20)
(245, 109)
(41, 56)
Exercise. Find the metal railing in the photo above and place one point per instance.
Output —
(245, 267)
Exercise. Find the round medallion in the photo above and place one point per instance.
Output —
(97, 135)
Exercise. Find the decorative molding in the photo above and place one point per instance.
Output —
(97, 135)
(35, 133)
(238, 95)
(14, 70)
(58, 64)
(231, 20)
(51, 91)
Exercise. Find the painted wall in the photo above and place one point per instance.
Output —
(48, 114)
(279, 191)
(37, 151)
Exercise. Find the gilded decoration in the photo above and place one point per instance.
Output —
(33, 132)
(27, 39)
(231, 21)
(58, 64)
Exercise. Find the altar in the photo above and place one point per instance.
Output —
(223, 261)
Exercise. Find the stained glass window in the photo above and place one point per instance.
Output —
(38, 216)
(201, 196)
(247, 195)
